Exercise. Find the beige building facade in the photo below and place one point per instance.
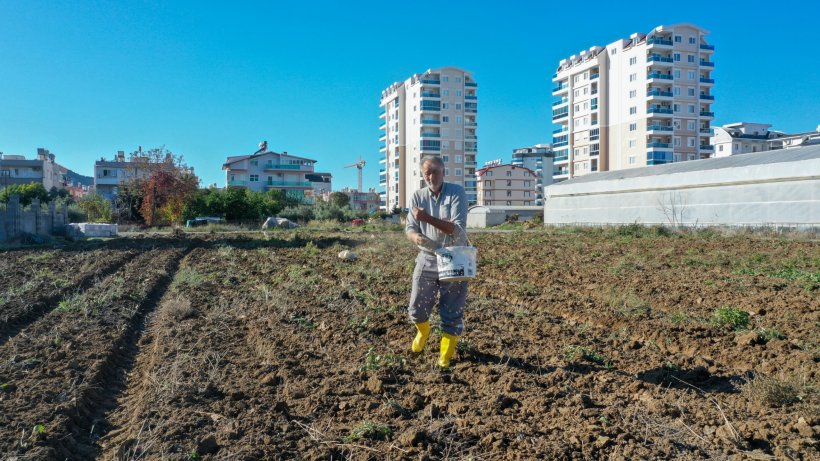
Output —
(646, 100)
(508, 185)
(429, 114)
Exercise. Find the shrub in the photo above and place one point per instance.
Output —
(96, 208)
(775, 391)
(731, 317)
(369, 430)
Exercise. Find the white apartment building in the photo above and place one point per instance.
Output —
(640, 101)
(744, 138)
(266, 170)
(537, 158)
(16, 169)
(506, 185)
(433, 113)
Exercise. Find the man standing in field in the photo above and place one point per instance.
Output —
(437, 212)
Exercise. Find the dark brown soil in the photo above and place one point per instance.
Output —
(579, 344)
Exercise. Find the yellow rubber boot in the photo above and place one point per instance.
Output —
(421, 337)
(448, 348)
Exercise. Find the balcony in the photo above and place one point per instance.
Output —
(708, 97)
(560, 173)
(560, 88)
(430, 94)
(470, 124)
(560, 143)
(473, 84)
(562, 101)
(430, 135)
(658, 157)
(659, 110)
(559, 114)
(659, 75)
(659, 93)
(383, 138)
(707, 63)
(707, 147)
(658, 58)
(430, 121)
(707, 47)
(659, 127)
(561, 158)
(706, 130)
(471, 97)
(594, 76)
(658, 145)
(658, 42)
(430, 81)
(383, 127)
(707, 80)
(237, 183)
(279, 166)
(272, 184)
(430, 107)
(560, 130)
(470, 107)
(704, 113)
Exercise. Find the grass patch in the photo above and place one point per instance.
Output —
(768, 334)
(310, 249)
(629, 304)
(374, 361)
(304, 322)
(73, 303)
(576, 353)
(679, 318)
(776, 391)
(188, 277)
(731, 317)
(368, 430)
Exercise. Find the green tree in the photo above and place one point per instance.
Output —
(96, 208)
(339, 199)
(27, 193)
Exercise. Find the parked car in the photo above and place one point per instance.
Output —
(203, 221)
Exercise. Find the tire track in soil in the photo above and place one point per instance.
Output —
(14, 325)
(75, 425)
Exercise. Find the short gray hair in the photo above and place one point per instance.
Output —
(432, 159)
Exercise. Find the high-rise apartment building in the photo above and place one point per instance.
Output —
(646, 100)
(429, 114)
(537, 158)
(506, 185)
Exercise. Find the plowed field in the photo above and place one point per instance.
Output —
(579, 344)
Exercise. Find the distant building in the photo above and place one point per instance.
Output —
(368, 201)
(111, 175)
(266, 170)
(429, 114)
(537, 158)
(508, 185)
(16, 169)
(645, 100)
(747, 138)
(322, 183)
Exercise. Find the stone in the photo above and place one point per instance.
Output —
(803, 428)
(347, 255)
(747, 339)
(602, 441)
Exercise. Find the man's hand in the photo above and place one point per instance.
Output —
(417, 239)
(420, 214)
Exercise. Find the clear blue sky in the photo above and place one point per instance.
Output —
(207, 80)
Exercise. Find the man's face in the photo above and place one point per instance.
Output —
(433, 174)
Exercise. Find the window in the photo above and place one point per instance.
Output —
(445, 158)
(676, 124)
(677, 39)
(446, 172)
(632, 61)
(509, 192)
(690, 58)
(676, 57)
(509, 173)
(458, 79)
(458, 159)
(254, 162)
(676, 157)
(527, 194)
(577, 107)
(692, 40)
(690, 91)
(633, 110)
(488, 184)
(677, 141)
(576, 93)
(458, 171)
(720, 148)
(458, 93)
(690, 124)
(633, 93)
(254, 178)
(586, 90)
(586, 105)
(677, 74)
(691, 156)
(690, 75)
(445, 105)
(675, 107)
(489, 173)
(632, 143)
(458, 120)
(613, 51)
(445, 92)
(676, 90)
(633, 127)
(690, 142)
(633, 77)
(691, 109)
(631, 159)
(445, 119)
(458, 106)
(509, 203)
(527, 183)
(446, 78)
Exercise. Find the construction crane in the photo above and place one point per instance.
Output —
(359, 165)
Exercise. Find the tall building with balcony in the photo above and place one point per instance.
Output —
(537, 158)
(646, 100)
(16, 169)
(266, 170)
(429, 114)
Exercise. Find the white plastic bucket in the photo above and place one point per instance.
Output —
(456, 264)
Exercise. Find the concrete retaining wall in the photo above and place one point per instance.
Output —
(36, 219)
